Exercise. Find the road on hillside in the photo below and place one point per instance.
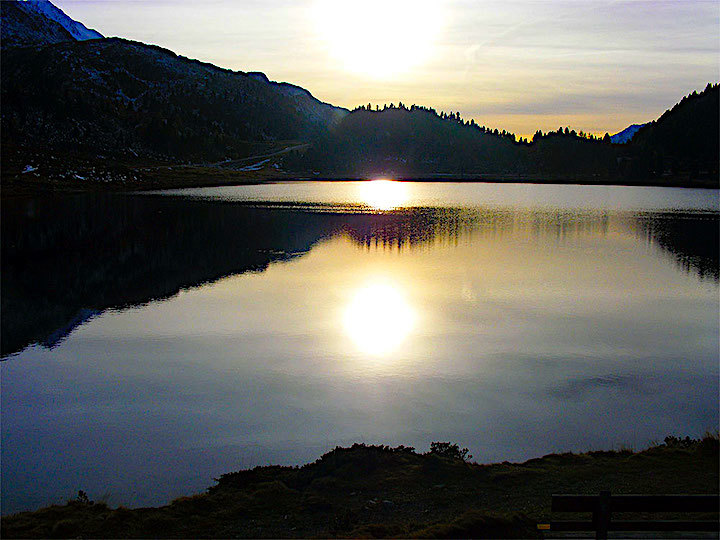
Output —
(233, 163)
(230, 163)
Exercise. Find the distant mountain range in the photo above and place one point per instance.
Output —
(65, 89)
(626, 134)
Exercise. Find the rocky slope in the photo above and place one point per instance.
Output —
(119, 97)
(50, 11)
(23, 26)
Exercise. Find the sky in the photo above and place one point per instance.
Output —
(520, 65)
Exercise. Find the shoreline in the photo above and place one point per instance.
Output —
(213, 177)
(378, 491)
(27, 172)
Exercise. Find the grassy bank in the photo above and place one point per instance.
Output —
(38, 172)
(376, 491)
(26, 173)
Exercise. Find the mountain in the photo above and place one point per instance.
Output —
(70, 94)
(22, 26)
(119, 97)
(679, 148)
(75, 91)
(405, 142)
(45, 8)
(626, 134)
(417, 141)
(685, 140)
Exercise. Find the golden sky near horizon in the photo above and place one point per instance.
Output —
(520, 65)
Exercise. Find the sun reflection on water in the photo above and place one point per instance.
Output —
(383, 194)
(378, 318)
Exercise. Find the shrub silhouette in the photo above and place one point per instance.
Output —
(450, 450)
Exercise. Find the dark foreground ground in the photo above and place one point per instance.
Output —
(375, 492)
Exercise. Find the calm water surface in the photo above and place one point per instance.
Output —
(152, 342)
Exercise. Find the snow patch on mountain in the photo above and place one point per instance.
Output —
(76, 29)
(626, 134)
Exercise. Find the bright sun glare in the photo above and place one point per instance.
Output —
(378, 319)
(383, 194)
(379, 38)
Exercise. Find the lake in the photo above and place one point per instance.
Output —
(154, 341)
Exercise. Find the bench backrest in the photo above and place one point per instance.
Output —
(602, 506)
(637, 503)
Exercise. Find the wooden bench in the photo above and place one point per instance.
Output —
(604, 505)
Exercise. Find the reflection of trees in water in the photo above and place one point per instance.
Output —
(66, 259)
(421, 227)
(693, 240)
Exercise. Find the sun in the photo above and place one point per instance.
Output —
(378, 318)
(379, 38)
(383, 194)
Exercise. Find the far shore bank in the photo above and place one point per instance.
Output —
(37, 172)
(184, 177)
(378, 491)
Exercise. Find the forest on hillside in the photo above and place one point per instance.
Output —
(415, 141)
